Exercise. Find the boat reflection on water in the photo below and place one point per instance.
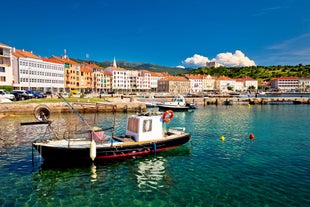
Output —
(150, 173)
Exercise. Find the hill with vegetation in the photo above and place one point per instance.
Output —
(263, 73)
(141, 66)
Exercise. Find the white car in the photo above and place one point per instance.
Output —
(4, 94)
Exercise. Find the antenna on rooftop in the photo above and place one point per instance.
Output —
(65, 53)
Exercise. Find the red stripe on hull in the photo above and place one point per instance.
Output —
(132, 154)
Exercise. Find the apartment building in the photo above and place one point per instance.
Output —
(284, 83)
(196, 82)
(304, 84)
(120, 78)
(155, 76)
(173, 85)
(101, 79)
(32, 72)
(6, 71)
(208, 83)
(224, 83)
(71, 72)
(243, 84)
(86, 78)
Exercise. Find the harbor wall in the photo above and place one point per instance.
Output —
(222, 100)
(138, 104)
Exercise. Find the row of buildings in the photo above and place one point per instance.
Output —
(23, 70)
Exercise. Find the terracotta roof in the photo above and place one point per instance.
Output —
(25, 54)
(224, 78)
(244, 79)
(194, 76)
(174, 78)
(114, 68)
(285, 78)
(65, 60)
(93, 65)
(158, 74)
(3, 45)
(86, 69)
(52, 60)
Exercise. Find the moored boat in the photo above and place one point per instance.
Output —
(178, 104)
(145, 134)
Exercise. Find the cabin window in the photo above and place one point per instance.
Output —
(147, 125)
(133, 125)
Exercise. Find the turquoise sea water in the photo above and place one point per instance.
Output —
(272, 170)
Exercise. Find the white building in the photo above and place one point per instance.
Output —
(120, 78)
(32, 72)
(196, 83)
(155, 77)
(223, 83)
(6, 72)
(244, 84)
(304, 84)
(284, 83)
(208, 83)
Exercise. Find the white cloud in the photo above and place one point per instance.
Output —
(237, 59)
(196, 60)
(180, 66)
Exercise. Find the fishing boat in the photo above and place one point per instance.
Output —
(146, 134)
(178, 104)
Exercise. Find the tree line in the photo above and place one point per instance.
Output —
(261, 73)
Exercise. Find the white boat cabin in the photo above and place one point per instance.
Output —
(145, 128)
(177, 101)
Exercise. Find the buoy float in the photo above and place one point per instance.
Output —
(222, 138)
(249, 105)
(92, 152)
(168, 115)
(251, 136)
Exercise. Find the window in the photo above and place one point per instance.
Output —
(2, 69)
(147, 125)
(133, 125)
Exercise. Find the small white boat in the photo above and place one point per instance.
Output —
(178, 104)
(151, 104)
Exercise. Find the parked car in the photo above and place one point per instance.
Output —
(48, 93)
(74, 91)
(35, 94)
(5, 94)
(21, 95)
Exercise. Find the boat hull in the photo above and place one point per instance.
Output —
(54, 154)
(173, 108)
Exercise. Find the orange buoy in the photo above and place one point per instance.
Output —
(251, 136)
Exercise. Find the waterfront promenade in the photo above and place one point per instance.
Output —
(137, 104)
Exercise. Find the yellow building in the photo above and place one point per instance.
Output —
(72, 73)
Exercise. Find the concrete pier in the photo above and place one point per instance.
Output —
(138, 104)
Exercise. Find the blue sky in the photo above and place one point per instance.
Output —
(165, 32)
